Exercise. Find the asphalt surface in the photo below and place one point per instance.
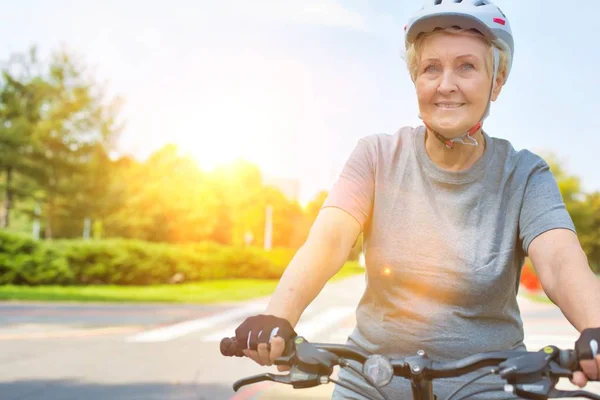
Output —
(171, 352)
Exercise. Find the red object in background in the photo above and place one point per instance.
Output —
(529, 279)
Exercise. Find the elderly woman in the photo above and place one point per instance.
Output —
(448, 213)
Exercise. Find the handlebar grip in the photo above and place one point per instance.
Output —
(229, 348)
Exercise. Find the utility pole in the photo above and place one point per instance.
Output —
(87, 227)
(268, 227)
(36, 222)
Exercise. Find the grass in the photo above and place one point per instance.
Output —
(217, 291)
(200, 292)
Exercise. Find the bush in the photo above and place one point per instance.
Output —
(129, 262)
(25, 261)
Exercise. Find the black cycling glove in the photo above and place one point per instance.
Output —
(260, 329)
(587, 344)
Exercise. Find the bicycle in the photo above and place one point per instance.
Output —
(528, 374)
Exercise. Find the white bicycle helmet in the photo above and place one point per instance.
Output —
(481, 15)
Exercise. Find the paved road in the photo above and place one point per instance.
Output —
(69, 351)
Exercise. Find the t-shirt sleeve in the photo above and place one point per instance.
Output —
(353, 192)
(543, 208)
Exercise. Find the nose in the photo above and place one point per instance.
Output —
(447, 83)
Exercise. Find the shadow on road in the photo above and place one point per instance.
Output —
(74, 390)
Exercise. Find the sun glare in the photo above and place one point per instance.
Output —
(224, 139)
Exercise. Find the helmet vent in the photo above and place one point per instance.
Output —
(437, 2)
(480, 3)
(458, 1)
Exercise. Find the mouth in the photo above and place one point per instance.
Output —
(449, 105)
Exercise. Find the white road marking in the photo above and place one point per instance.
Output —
(185, 328)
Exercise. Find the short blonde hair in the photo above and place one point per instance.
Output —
(413, 52)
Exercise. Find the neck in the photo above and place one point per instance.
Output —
(461, 157)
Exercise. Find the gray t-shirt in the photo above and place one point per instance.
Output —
(443, 249)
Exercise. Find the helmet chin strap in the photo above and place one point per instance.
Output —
(467, 138)
(449, 143)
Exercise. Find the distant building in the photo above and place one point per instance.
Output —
(289, 187)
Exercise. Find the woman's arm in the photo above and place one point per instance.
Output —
(570, 283)
(567, 277)
(325, 251)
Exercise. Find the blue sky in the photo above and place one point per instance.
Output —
(291, 85)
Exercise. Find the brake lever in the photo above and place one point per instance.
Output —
(555, 393)
(558, 371)
(538, 389)
(258, 378)
(542, 390)
(297, 378)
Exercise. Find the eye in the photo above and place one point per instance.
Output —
(467, 66)
(430, 68)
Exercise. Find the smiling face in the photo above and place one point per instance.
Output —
(453, 81)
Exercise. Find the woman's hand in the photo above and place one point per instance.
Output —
(266, 354)
(262, 338)
(589, 357)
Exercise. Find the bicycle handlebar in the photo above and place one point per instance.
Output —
(531, 375)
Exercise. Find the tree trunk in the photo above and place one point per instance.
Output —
(7, 203)
(51, 196)
(48, 228)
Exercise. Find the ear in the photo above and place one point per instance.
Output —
(499, 83)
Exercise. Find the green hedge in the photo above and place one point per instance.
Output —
(24, 261)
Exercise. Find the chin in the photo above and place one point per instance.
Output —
(450, 129)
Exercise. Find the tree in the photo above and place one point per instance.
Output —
(89, 197)
(287, 218)
(55, 119)
(165, 199)
(76, 118)
(20, 110)
(240, 185)
(589, 233)
(584, 210)
(570, 189)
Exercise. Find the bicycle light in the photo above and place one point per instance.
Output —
(379, 369)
